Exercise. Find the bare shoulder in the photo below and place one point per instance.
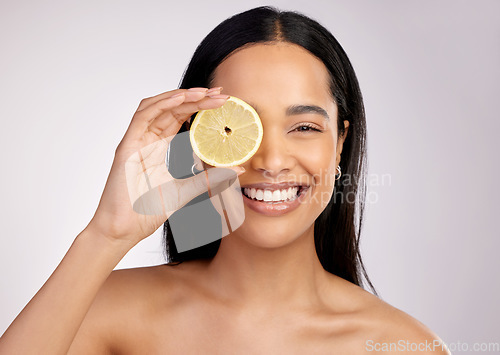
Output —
(400, 332)
(124, 306)
(385, 328)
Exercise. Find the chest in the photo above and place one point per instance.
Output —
(205, 332)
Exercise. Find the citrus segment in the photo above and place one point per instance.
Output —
(228, 135)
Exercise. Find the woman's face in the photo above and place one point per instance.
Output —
(288, 87)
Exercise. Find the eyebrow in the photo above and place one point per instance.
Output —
(301, 109)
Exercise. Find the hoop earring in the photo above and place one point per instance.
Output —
(192, 169)
(337, 176)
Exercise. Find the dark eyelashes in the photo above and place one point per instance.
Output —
(307, 128)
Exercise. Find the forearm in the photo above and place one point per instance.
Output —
(50, 321)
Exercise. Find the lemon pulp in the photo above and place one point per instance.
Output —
(226, 136)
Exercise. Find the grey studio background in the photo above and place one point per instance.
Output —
(73, 74)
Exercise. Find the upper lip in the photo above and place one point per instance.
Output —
(276, 186)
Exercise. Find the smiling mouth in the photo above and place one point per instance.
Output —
(274, 196)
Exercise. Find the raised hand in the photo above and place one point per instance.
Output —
(140, 193)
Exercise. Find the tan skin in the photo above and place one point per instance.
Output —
(265, 292)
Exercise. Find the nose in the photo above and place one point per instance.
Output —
(274, 157)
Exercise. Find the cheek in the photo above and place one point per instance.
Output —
(318, 160)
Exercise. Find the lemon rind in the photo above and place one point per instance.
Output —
(233, 163)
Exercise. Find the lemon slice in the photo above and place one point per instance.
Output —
(228, 135)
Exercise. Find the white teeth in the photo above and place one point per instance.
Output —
(271, 195)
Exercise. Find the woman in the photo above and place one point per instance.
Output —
(285, 281)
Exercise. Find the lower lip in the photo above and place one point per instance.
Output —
(275, 209)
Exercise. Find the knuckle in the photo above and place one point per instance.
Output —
(144, 103)
(179, 117)
(120, 147)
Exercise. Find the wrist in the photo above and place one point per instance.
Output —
(105, 242)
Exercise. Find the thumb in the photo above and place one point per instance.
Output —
(213, 181)
(171, 196)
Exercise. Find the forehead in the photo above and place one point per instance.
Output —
(278, 73)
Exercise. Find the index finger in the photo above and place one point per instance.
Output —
(154, 99)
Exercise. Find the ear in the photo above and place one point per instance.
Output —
(340, 142)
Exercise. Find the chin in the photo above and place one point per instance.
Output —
(270, 233)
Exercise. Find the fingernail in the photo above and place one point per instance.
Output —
(198, 89)
(225, 97)
(217, 89)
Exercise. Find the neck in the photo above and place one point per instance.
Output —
(286, 276)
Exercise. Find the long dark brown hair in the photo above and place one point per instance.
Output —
(337, 230)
